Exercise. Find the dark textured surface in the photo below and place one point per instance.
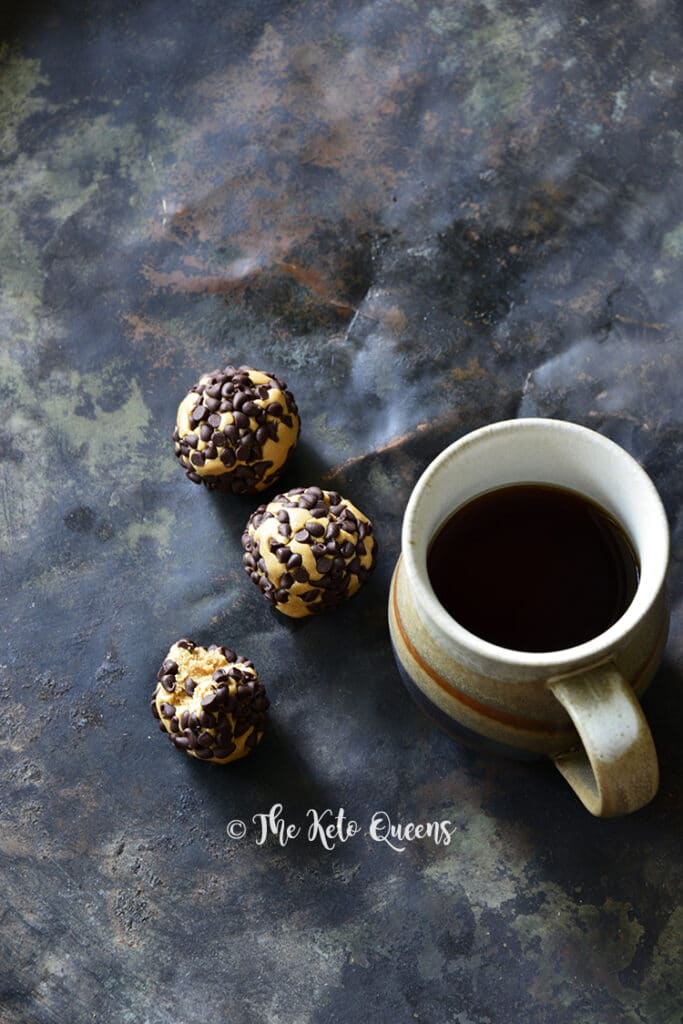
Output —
(425, 217)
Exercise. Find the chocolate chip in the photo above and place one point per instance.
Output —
(224, 735)
(222, 752)
(286, 581)
(205, 432)
(190, 686)
(214, 419)
(168, 683)
(204, 753)
(167, 710)
(192, 440)
(153, 708)
(285, 530)
(212, 404)
(184, 719)
(347, 549)
(219, 438)
(302, 537)
(301, 575)
(198, 414)
(204, 718)
(274, 409)
(174, 725)
(283, 554)
(187, 645)
(318, 550)
(209, 699)
(197, 459)
(240, 419)
(232, 433)
(228, 653)
(181, 742)
(228, 457)
(323, 565)
(294, 561)
(169, 666)
(315, 529)
(309, 595)
(262, 435)
(204, 739)
(281, 596)
(243, 452)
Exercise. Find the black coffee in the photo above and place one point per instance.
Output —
(533, 567)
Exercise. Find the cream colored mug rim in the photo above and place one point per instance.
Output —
(548, 662)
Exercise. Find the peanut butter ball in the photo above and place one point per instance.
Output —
(236, 429)
(210, 702)
(308, 550)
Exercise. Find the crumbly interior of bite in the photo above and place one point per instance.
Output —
(210, 702)
(308, 550)
(233, 421)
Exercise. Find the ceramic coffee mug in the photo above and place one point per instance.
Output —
(580, 705)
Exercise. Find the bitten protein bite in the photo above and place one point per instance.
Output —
(236, 429)
(210, 702)
(308, 550)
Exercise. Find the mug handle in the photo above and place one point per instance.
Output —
(616, 770)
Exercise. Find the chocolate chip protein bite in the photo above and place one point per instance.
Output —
(210, 702)
(236, 429)
(308, 550)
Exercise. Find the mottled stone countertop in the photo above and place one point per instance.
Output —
(425, 216)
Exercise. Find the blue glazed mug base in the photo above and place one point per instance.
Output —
(457, 731)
